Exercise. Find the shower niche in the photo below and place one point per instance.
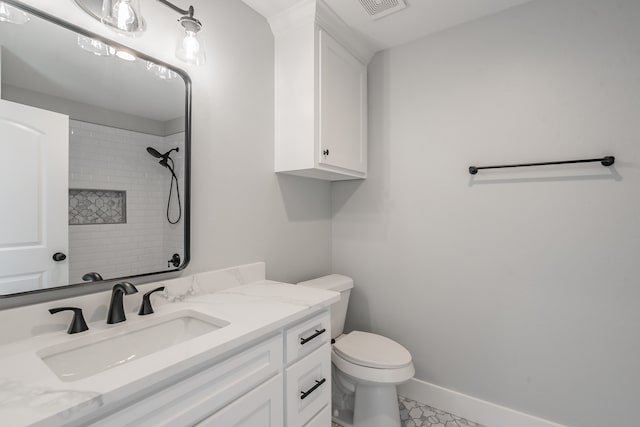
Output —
(123, 208)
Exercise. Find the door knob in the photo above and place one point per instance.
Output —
(59, 256)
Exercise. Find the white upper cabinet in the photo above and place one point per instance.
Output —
(321, 94)
(342, 105)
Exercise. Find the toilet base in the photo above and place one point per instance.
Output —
(376, 406)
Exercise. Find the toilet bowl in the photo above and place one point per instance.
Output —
(366, 367)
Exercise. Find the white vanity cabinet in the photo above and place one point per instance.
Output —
(261, 407)
(284, 380)
(202, 392)
(321, 95)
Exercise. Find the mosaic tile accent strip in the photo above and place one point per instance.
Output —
(97, 207)
(415, 414)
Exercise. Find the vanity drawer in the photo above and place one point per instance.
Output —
(322, 419)
(308, 386)
(193, 399)
(307, 336)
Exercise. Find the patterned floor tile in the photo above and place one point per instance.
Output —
(415, 414)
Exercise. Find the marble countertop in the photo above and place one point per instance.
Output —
(31, 394)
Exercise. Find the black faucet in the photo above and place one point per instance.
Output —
(116, 309)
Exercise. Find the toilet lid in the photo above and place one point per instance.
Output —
(375, 351)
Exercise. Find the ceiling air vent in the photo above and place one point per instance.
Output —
(379, 8)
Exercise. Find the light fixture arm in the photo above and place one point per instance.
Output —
(186, 12)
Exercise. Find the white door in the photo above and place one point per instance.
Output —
(34, 164)
(261, 407)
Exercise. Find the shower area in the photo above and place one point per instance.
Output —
(125, 211)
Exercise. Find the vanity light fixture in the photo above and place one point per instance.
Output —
(189, 49)
(12, 14)
(124, 16)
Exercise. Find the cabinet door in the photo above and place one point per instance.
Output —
(342, 108)
(262, 407)
(194, 398)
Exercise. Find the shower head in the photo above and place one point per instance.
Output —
(155, 153)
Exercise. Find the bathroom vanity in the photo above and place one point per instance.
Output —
(217, 352)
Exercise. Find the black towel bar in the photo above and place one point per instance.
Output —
(605, 161)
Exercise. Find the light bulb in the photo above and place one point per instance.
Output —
(124, 15)
(190, 45)
(189, 49)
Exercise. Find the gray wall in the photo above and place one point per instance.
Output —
(519, 287)
(242, 211)
(88, 113)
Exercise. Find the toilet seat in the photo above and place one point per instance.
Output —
(355, 353)
(372, 376)
(372, 351)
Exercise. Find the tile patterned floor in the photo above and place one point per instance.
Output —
(414, 414)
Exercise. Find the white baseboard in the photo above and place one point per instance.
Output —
(480, 411)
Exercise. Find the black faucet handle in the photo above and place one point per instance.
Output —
(77, 323)
(145, 307)
(92, 277)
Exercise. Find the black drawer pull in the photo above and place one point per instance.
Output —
(304, 394)
(317, 334)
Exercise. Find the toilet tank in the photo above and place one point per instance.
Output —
(337, 283)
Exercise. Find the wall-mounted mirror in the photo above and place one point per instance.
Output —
(94, 142)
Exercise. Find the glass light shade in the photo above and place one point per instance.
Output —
(161, 72)
(95, 46)
(12, 14)
(123, 16)
(190, 50)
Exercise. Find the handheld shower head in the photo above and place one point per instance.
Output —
(167, 162)
(155, 153)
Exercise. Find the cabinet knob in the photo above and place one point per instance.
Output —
(325, 152)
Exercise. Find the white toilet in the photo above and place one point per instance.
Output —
(366, 367)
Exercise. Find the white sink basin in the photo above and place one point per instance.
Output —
(92, 354)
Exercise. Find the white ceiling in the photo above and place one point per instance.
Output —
(420, 18)
(43, 57)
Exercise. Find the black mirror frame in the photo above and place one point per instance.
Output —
(187, 148)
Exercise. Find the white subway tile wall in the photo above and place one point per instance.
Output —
(101, 157)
